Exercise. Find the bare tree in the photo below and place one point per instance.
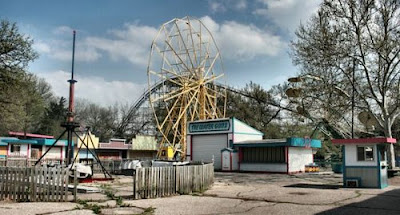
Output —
(352, 46)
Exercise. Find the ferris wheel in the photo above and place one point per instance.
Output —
(184, 62)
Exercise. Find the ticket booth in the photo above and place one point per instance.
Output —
(365, 161)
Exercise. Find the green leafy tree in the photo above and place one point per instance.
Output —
(18, 98)
(55, 114)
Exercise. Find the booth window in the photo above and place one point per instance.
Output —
(264, 155)
(365, 153)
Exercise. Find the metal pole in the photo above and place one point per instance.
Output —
(352, 102)
(72, 85)
(70, 147)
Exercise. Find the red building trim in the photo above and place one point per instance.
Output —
(22, 134)
(230, 154)
(287, 158)
(191, 147)
(364, 140)
(240, 157)
(265, 172)
(27, 154)
(61, 154)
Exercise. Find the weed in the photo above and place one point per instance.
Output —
(95, 208)
(119, 200)
(148, 211)
(82, 202)
(108, 191)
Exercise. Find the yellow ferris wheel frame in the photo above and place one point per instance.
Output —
(184, 62)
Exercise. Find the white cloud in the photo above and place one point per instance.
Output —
(62, 30)
(216, 7)
(62, 50)
(95, 89)
(131, 43)
(243, 42)
(220, 6)
(241, 4)
(42, 47)
(287, 14)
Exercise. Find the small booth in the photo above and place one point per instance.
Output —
(291, 155)
(230, 159)
(365, 161)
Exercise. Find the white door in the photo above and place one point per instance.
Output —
(207, 147)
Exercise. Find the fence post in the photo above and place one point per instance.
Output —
(134, 182)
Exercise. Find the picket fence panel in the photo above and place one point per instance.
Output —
(34, 184)
(153, 182)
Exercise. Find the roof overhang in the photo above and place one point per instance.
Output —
(375, 140)
(291, 142)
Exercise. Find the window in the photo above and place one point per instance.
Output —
(365, 153)
(15, 148)
(264, 155)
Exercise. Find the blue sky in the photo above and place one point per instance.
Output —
(114, 38)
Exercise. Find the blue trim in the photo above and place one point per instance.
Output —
(247, 133)
(209, 126)
(378, 155)
(233, 124)
(291, 142)
(41, 141)
(229, 149)
(297, 141)
(3, 156)
(344, 164)
(18, 141)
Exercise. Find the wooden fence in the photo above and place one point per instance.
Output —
(32, 184)
(25, 162)
(156, 182)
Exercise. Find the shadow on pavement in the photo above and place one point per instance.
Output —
(316, 186)
(385, 203)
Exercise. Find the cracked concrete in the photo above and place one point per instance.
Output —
(238, 193)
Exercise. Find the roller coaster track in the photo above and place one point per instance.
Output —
(142, 99)
(322, 126)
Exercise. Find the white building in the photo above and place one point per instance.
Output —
(207, 140)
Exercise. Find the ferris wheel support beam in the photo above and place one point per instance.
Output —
(185, 63)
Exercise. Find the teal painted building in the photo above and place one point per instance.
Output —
(365, 161)
(32, 148)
